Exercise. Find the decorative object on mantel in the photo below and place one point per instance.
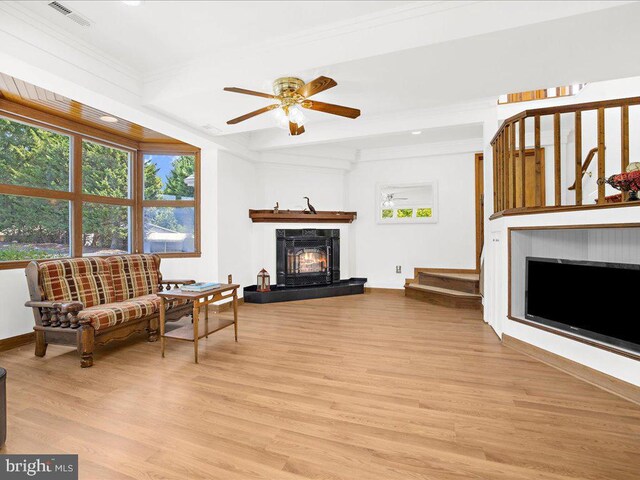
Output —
(300, 216)
(626, 182)
(309, 206)
(263, 284)
(276, 209)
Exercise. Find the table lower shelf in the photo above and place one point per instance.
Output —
(185, 332)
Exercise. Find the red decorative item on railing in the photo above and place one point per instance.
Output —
(625, 182)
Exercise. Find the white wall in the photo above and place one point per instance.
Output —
(450, 243)
(237, 193)
(287, 184)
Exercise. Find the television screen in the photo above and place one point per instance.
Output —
(592, 299)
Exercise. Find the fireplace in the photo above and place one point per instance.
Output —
(307, 257)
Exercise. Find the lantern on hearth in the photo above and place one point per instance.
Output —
(264, 281)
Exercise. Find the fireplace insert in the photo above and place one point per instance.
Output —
(307, 257)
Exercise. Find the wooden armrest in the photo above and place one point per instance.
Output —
(63, 307)
(59, 314)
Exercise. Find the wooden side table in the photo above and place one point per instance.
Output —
(196, 331)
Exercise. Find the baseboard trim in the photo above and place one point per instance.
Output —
(388, 291)
(606, 382)
(223, 307)
(17, 341)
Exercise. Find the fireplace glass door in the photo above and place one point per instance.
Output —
(307, 260)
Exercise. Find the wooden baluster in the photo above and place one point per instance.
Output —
(499, 168)
(601, 157)
(536, 139)
(229, 278)
(64, 320)
(523, 184)
(495, 178)
(501, 171)
(624, 142)
(505, 163)
(55, 321)
(512, 161)
(46, 317)
(507, 169)
(578, 157)
(74, 322)
(557, 159)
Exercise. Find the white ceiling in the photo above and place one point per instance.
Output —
(430, 135)
(390, 59)
(158, 34)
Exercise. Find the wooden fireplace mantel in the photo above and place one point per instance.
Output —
(300, 216)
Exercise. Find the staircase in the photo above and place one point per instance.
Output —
(450, 288)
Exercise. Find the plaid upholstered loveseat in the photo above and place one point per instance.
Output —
(84, 302)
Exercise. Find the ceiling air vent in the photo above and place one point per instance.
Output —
(70, 14)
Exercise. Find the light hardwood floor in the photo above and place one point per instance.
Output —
(371, 387)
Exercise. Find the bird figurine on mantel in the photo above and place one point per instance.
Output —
(310, 207)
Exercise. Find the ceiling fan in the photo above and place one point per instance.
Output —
(388, 198)
(292, 93)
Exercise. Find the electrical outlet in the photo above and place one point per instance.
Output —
(398, 268)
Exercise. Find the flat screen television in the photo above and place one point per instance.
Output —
(591, 299)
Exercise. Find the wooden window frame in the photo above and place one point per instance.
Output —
(141, 203)
(77, 133)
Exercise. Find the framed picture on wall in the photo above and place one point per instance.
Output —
(407, 203)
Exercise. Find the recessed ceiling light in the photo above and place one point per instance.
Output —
(132, 3)
(108, 119)
(416, 132)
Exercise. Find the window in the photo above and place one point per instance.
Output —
(169, 205)
(413, 203)
(124, 200)
(33, 157)
(169, 177)
(105, 229)
(105, 170)
(169, 229)
(33, 228)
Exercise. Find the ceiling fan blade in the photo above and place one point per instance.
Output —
(252, 114)
(248, 92)
(332, 109)
(318, 85)
(294, 129)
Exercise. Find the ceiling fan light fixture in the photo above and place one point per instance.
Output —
(281, 118)
(296, 116)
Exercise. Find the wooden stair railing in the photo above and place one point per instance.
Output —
(585, 166)
(510, 143)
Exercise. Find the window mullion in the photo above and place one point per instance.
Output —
(138, 194)
(76, 188)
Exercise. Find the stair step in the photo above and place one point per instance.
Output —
(443, 296)
(464, 282)
(457, 276)
(443, 291)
